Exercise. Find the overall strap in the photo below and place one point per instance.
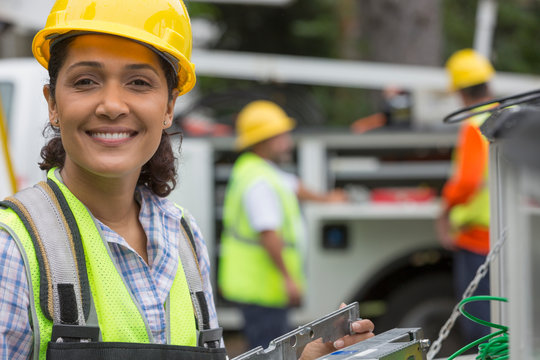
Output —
(188, 256)
(64, 289)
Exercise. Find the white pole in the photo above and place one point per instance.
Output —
(486, 17)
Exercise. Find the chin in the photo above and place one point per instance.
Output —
(114, 170)
(284, 159)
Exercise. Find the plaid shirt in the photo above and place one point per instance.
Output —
(150, 283)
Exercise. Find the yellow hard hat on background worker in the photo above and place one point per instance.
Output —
(261, 120)
(163, 25)
(468, 68)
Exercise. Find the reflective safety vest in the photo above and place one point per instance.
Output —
(247, 273)
(80, 306)
(475, 212)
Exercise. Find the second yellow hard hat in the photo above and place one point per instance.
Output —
(261, 120)
(468, 68)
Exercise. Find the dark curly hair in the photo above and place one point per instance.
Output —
(158, 174)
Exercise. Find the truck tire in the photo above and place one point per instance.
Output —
(426, 301)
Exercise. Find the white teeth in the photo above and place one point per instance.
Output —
(111, 136)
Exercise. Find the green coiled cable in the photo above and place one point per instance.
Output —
(496, 346)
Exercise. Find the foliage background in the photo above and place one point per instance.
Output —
(355, 29)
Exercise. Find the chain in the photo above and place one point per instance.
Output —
(480, 274)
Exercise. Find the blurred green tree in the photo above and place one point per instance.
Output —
(515, 35)
(413, 32)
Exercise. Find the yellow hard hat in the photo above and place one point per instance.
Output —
(260, 120)
(162, 24)
(468, 68)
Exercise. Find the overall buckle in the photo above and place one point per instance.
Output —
(75, 333)
(210, 338)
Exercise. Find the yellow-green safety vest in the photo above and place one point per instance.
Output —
(113, 306)
(474, 212)
(247, 273)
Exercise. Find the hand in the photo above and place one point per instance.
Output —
(336, 195)
(293, 292)
(444, 231)
(316, 349)
(363, 329)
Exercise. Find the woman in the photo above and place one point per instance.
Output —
(96, 263)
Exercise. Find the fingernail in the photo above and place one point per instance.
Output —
(355, 327)
(338, 344)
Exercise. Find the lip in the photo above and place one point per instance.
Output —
(111, 136)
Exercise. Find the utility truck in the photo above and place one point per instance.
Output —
(379, 249)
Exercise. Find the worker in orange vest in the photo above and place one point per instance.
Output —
(464, 223)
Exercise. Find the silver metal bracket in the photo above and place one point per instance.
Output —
(289, 346)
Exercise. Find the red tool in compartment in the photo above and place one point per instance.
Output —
(393, 195)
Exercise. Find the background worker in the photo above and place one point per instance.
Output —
(261, 263)
(464, 223)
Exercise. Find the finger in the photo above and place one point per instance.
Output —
(352, 339)
(363, 330)
(342, 305)
(362, 326)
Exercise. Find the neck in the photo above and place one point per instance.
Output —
(263, 152)
(470, 102)
(110, 199)
(260, 153)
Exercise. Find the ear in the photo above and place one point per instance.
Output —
(53, 111)
(169, 115)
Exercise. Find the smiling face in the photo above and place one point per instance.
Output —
(111, 104)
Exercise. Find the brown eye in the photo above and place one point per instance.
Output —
(140, 82)
(84, 82)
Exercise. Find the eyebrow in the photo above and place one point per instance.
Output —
(98, 65)
(94, 64)
(142, 66)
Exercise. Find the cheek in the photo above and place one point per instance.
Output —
(70, 107)
(284, 144)
(152, 109)
(152, 147)
(155, 133)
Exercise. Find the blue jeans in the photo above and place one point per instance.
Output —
(263, 324)
(465, 265)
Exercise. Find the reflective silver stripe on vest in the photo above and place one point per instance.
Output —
(188, 257)
(56, 246)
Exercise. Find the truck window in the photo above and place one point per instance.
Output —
(6, 97)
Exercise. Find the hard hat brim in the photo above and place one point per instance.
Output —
(42, 42)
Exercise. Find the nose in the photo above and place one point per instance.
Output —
(112, 104)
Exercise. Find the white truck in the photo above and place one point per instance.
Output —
(381, 252)
(21, 84)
